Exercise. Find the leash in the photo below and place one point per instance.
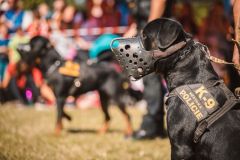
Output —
(221, 61)
(218, 60)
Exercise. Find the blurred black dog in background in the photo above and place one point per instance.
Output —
(203, 115)
(75, 78)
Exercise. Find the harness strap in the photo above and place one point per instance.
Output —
(53, 67)
(169, 51)
(75, 86)
(206, 124)
(77, 83)
(227, 91)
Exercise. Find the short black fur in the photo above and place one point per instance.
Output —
(221, 141)
(190, 65)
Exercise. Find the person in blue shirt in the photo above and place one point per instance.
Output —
(4, 40)
(13, 17)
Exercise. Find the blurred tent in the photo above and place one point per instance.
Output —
(101, 44)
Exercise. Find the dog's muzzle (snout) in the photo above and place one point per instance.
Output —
(135, 59)
(132, 56)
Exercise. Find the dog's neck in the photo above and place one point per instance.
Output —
(49, 59)
(193, 68)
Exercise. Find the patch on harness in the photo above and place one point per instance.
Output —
(198, 99)
(70, 68)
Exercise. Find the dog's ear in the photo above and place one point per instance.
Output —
(163, 33)
(168, 32)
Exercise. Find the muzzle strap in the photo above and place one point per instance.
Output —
(169, 51)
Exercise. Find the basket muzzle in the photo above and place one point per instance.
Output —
(132, 56)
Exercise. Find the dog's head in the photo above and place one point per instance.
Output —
(33, 50)
(159, 39)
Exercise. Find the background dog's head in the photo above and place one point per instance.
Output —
(36, 48)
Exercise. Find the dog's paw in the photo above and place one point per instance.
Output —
(128, 131)
(104, 128)
(58, 129)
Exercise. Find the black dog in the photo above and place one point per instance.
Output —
(203, 116)
(100, 76)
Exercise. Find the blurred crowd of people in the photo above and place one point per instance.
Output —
(216, 31)
(19, 26)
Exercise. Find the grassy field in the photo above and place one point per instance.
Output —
(27, 134)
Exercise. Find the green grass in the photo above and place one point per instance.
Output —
(27, 134)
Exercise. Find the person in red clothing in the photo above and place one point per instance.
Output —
(23, 82)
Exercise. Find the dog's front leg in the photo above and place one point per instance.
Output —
(180, 124)
(129, 130)
(104, 106)
(181, 152)
(60, 114)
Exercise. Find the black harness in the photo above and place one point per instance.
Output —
(54, 67)
(203, 105)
